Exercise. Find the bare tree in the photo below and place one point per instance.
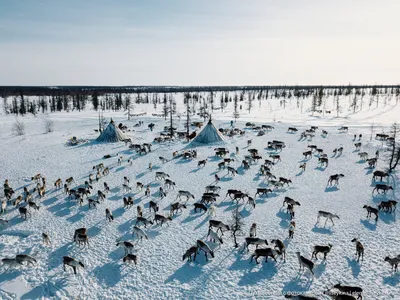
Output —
(236, 224)
(235, 107)
(372, 130)
(18, 127)
(394, 148)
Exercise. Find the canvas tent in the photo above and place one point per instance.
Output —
(209, 135)
(112, 134)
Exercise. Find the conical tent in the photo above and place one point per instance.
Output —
(112, 134)
(209, 135)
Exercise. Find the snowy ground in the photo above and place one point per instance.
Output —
(160, 272)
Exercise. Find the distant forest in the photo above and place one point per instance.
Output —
(21, 100)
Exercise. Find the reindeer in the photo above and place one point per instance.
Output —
(128, 246)
(305, 262)
(323, 160)
(347, 290)
(232, 171)
(82, 239)
(176, 207)
(290, 201)
(199, 206)
(36, 178)
(192, 251)
(300, 297)
(140, 233)
(372, 210)
(263, 191)
(213, 188)
(253, 230)
(387, 205)
(93, 202)
(205, 248)
(106, 171)
(23, 211)
(160, 219)
(17, 202)
(385, 188)
(139, 211)
(202, 163)
(254, 241)
(163, 159)
(321, 249)
(106, 187)
(214, 236)
(372, 162)
(358, 146)
(221, 165)
(161, 176)
(42, 191)
(284, 180)
(143, 220)
(186, 194)
(109, 216)
(363, 155)
(58, 183)
(69, 180)
(33, 205)
(219, 225)
(69, 261)
(307, 154)
(20, 258)
(275, 158)
(169, 183)
(334, 178)
(265, 252)
(327, 215)
(100, 195)
(46, 239)
(130, 258)
(359, 249)
(303, 167)
(380, 174)
(280, 248)
(394, 262)
(128, 202)
(126, 188)
(153, 206)
(292, 129)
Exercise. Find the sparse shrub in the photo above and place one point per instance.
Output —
(48, 125)
(18, 127)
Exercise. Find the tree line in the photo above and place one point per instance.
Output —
(33, 100)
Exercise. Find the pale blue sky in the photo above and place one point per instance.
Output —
(203, 42)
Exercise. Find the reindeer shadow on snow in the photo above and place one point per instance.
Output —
(322, 230)
(203, 222)
(109, 274)
(392, 280)
(354, 265)
(320, 269)
(370, 225)
(297, 285)
(266, 272)
(193, 216)
(329, 189)
(387, 218)
(76, 218)
(285, 218)
(186, 273)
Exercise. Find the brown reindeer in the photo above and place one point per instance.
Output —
(359, 249)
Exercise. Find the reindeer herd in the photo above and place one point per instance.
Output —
(206, 204)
